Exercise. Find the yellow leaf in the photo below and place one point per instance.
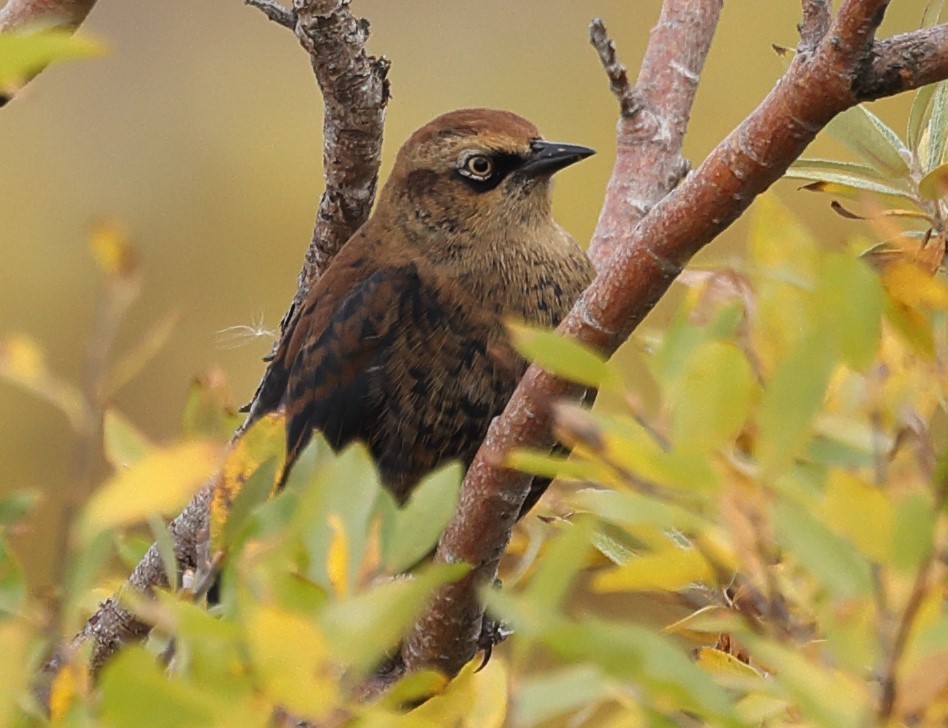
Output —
(161, 482)
(912, 286)
(337, 565)
(474, 699)
(263, 441)
(860, 512)
(720, 663)
(111, 250)
(291, 661)
(670, 569)
(15, 646)
(24, 54)
(71, 681)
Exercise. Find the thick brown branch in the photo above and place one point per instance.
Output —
(905, 62)
(815, 88)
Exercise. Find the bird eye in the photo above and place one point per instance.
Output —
(477, 166)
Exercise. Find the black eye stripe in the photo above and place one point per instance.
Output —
(503, 164)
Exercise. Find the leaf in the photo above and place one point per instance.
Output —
(859, 511)
(148, 345)
(12, 583)
(726, 667)
(290, 657)
(913, 531)
(111, 249)
(24, 54)
(816, 166)
(419, 523)
(123, 442)
(711, 402)
(830, 558)
(255, 491)
(264, 440)
(209, 410)
(932, 13)
(934, 185)
(914, 287)
(161, 482)
(832, 698)
(667, 570)
(134, 691)
(847, 185)
(16, 646)
(850, 301)
(561, 356)
(937, 126)
(864, 133)
(790, 401)
(474, 699)
(551, 694)
(22, 363)
(360, 630)
(921, 103)
(16, 505)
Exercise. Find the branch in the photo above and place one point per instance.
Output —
(355, 91)
(842, 70)
(654, 117)
(25, 14)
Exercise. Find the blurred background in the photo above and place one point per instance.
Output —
(199, 134)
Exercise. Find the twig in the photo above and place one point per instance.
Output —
(816, 22)
(276, 12)
(837, 75)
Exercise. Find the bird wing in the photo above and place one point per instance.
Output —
(336, 377)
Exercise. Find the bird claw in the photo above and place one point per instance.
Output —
(493, 632)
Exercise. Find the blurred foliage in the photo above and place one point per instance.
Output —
(785, 497)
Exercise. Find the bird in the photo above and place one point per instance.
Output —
(401, 343)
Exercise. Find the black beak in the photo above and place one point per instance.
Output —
(548, 157)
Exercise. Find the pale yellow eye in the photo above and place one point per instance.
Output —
(478, 166)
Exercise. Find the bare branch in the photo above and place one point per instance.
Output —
(816, 22)
(276, 12)
(615, 70)
(649, 254)
(648, 159)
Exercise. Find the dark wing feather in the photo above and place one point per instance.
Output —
(334, 382)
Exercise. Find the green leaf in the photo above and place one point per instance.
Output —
(830, 558)
(844, 184)
(628, 510)
(15, 506)
(334, 516)
(362, 629)
(816, 166)
(934, 185)
(791, 400)
(551, 694)
(12, 582)
(23, 55)
(135, 691)
(124, 443)
(209, 410)
(864, 133)
(932, 13)
(850, 301)
(419, 523)
(565, 556)
(913, 533)
(561, 356)
(712, 399)
(634, 653)
(938, 126)
(918, 116)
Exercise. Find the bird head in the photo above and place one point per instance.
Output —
(475, 172)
